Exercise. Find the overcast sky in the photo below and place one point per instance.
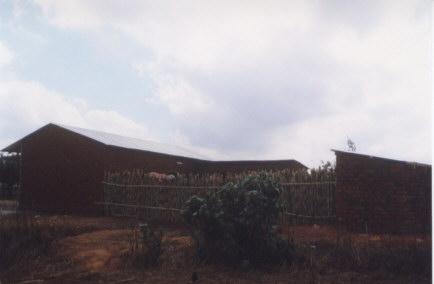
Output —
(228, 79)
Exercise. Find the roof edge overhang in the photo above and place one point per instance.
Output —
(16, 146)
(382, 158)
(261, 161)
(159, 153)
(13, 148)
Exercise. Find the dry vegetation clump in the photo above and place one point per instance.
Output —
(379, 261)
(408, 260)
(29, 242)
(145, 245)
(21, 242)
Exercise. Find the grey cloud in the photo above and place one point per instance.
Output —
(289, 82)
(251, 103)
(362, 16)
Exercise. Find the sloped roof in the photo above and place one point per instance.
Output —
(135, 144)
(120, 141)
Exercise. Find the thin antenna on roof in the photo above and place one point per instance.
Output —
(351, 145)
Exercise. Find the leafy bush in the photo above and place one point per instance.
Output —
(237, 224)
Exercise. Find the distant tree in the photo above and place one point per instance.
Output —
(327, 166)
(9, 175)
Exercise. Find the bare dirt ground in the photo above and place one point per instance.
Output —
(99, 250)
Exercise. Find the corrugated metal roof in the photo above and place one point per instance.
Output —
(123, 142)
(134, 143)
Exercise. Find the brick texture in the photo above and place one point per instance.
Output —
(382, 196)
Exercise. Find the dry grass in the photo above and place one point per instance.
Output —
(72, 249)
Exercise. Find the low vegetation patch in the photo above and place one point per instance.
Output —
(145, 245)
(21, 242)
(151, 239)
(76, 249)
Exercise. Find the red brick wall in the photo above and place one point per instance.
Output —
(61, 172)
(242, 166)
(118, 159)
(381, 195)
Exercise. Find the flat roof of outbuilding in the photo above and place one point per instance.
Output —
(382, 158)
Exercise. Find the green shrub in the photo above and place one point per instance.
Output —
(237, 224)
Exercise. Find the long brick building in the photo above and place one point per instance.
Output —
(62, 167)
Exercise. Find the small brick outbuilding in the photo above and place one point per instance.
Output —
(382, 195)
(62, 167)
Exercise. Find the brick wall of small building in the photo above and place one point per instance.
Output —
(381, 195)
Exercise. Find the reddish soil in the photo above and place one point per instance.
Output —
(100, 250)
(330, 233)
